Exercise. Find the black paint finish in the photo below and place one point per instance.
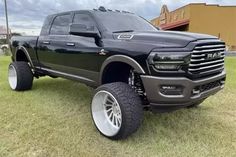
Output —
(72, 55)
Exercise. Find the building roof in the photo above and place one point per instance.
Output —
(175, 24)
(205, 4)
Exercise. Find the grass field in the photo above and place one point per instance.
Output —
(54, 119)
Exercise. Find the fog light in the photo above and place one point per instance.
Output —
(222, 82)
(196, 91)
(171, 90)
(167, 66)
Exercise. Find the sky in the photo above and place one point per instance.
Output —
(27, 16)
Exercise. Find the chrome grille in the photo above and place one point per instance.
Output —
(207, 59)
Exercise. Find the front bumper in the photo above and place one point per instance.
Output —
(190, 91)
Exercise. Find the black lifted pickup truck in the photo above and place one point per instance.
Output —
(134, 65)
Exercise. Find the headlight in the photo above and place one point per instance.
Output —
(166, 61)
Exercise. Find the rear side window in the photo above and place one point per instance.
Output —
(86, 20)
(46, 25)
(61, 24)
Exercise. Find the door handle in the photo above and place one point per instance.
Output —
(46, 42)
(70, 44)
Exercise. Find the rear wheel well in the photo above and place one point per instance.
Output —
(116, 72)
(21, 56)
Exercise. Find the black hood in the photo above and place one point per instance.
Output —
(170, 39)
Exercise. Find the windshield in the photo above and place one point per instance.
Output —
(123, 22)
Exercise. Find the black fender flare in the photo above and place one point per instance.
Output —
(25, 52)
(121, 58)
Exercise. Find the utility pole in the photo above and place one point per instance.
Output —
(8, 34)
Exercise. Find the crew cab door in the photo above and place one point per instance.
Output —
(71, 55)
(52, 47)
(82, 57)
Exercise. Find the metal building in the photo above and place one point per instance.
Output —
(216, 20)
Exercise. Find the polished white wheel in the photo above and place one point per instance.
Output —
(20, 76)
(12, 77)
(116, 110)
(106, 113)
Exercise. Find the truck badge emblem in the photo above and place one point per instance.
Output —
(125, 37)
(213, 55)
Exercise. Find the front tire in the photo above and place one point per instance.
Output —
(117, 110)
(20, 76)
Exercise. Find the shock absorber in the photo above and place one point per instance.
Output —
(136, 83)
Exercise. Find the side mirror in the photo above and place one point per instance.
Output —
(83, 30)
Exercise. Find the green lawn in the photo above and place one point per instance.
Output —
(54, 119)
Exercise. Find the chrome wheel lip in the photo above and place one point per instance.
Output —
(107, 125)
(12, 77)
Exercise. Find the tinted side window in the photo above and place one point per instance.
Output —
(86, 20)
(61, 24)
(46, 25)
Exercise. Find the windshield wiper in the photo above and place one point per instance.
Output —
(123, 31)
